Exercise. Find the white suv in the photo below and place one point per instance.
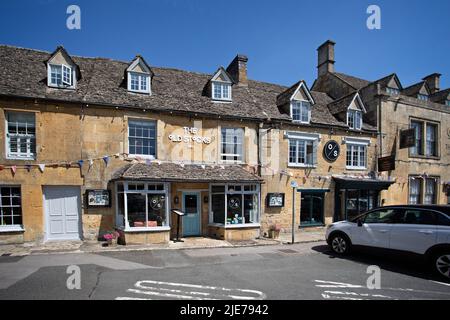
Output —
(416, 229)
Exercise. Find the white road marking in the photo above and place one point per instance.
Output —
(131, 298)
(331, 284)
(443, 283)
(187, 291)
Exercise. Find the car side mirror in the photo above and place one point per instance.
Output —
(360, 222)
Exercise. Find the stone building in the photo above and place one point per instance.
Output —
(94, 144)
(421, 170)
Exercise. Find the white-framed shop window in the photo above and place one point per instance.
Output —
(142, 206)
(234, 204)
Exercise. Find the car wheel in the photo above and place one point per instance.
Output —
(340, 244)
(441, 264)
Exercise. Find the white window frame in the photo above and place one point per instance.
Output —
(11, 227)
(20, 155)
(297, 137)
(423, 97)
(241, 156)
(226, 193)
(356, 115)
(66, 82)
(142, 77)
(146, 191)
(222, 85)
(301, 104)
(392, 91)
(148, 156)
(356, 142)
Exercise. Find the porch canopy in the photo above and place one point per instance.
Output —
(362, 184)
(173, 172)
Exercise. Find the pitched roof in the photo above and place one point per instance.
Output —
(23, 74)
(356, 83)
(170, 172)
(441, 96)
(341, 104)
(414, 89)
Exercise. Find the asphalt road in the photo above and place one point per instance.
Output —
(300, 271)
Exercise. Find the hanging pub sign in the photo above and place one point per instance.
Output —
(98, 198)
(407, 138)
(275, 200)
(386, 163)
(331, 151)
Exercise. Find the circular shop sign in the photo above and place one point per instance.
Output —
(331, 151)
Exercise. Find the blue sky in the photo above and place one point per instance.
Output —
(279, 37)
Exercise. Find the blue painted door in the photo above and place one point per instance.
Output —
(191, 208)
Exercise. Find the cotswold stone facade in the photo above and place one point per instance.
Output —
(93, 145)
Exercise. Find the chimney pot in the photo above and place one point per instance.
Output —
(325, 58)
(238, 70)
(433, 82)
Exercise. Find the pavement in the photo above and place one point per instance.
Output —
(301, 236)
(305, 270)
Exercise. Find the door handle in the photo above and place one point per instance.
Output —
(426, 231)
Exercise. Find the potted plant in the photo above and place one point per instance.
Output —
(274, 231)
(111, 237)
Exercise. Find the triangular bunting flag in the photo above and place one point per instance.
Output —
(148, 162)
(91, 163)
(41, 167)
(28, 167)
(14, 169)
(1, 168)
(80, 163)
(106, 159)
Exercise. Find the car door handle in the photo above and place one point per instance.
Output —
(383, 231)
(426, 231)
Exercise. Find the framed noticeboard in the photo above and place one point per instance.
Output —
(98, 198)
(275, 200)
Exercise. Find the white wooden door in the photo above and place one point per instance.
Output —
(62, 212)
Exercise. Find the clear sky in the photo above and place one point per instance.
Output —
(279, 37)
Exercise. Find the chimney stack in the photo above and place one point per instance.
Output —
(238, 70)
(433, 81)
(325, 58)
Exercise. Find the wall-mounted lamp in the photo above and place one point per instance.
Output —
(176, 200)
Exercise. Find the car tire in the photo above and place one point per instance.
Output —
(340, 243)
(440, 263)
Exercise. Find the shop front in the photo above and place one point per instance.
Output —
(222, 202)
(354, 196)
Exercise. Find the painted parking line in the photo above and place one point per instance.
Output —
(185, 291)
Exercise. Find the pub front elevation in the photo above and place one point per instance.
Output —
(92, 145)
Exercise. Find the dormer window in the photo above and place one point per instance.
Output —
(422, 97)
(138, 82)
(62, 72)
(393, 91)
(354, 119)
(221, 90)
(139, 76)
(301, 111)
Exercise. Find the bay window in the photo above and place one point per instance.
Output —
(234, 204)
(10, 208)
(142, 205)
(20, 135)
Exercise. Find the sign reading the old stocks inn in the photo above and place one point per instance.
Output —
(191, 134)
(331, 151)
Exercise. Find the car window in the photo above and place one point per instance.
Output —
(381, 216)
(416, 216)
(443, 220)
